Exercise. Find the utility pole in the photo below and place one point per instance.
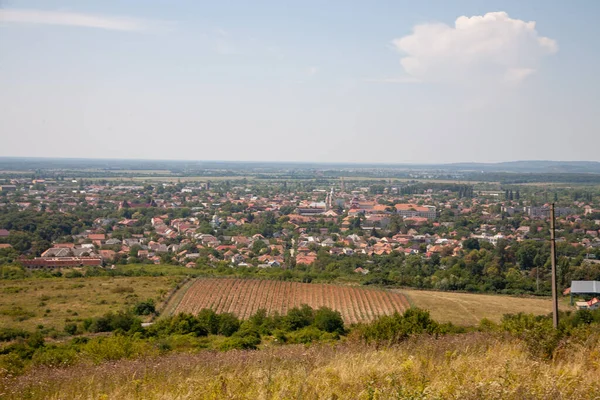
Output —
(553, 259)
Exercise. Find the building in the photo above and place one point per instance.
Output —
(593, 304)
(413, 210)
(590, 288)
(8, 188)
(61, 262)
(544, 212)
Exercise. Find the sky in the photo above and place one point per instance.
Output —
(313, 81)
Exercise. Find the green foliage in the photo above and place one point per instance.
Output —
(7, 334)
(116, 347)
(123, 321)
(397, 327)
(244, 339)
(537, 331)
(54, 357)
(181, 324)
(329, 321)
(210, 320)
(228, 324)
(309, 334)
(145, 308)
(298, 318)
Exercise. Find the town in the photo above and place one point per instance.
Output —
(436, 235)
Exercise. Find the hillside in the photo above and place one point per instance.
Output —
(470, 366)
(243, 297)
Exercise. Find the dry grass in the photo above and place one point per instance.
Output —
(470, 366)
(469, 309)
(30, 299)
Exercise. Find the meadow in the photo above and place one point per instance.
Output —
(28, 303)
(468, 309)
(467, 366)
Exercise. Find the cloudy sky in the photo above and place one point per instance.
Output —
(339, 81)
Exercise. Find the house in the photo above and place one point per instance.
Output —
(593, 304)
(97, 236)
(591, 288)
(107, 255)
(57, 252)
(4, 233)
(5, 246)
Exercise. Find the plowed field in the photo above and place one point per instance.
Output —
(243, 297)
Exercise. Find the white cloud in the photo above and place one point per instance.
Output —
(312, 71)
(72, 19)
(492, 47)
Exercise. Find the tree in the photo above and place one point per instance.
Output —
(329, 320)
(471, 244)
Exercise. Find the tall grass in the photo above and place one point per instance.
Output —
(466, 366)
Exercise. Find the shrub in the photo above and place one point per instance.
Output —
(112, 321)
(329, 321)
(397, 327)
(144, 308)
(116, 348)
(71, 328)
(228, 324)
(181, 324)
(298, 318)
(210, 320)
(7, 334)
(247, 339)
(536, 331)
(54, 357)
(11, 364)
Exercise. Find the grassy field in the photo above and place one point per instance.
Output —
(28, 303)
(469, 309)
(469, 366)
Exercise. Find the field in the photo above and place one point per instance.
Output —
(243, 297)
(469, 309)
(28, 303)
(468, 366)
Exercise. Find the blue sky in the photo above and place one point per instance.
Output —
(339, 81)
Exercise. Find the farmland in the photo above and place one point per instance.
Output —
(243, 297)
(469, 309)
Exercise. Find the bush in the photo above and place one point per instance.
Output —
(210, 320)
(329, 321)
(7, 334)
(247, 339)
(71, 328)
(116, 348)
(55, 357)
(181, 324)
(228, 324)
(123, 321)
(144, 308)
(298, 318)
(11, 364)
(397, 327)
(537, 332)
